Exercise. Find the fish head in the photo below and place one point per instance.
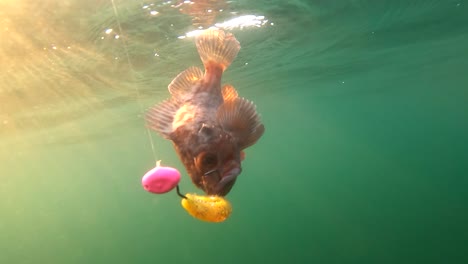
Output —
(211, 151)
(217, 165)
(211, 157)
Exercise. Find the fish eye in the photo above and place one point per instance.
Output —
(209, 159)
(206, 160)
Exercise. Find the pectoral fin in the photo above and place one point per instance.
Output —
(161, 116)
(240, 118)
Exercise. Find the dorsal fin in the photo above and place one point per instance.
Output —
(215, 46)
(183, 83)
(160, 117)
(241, 120)
(229, 93)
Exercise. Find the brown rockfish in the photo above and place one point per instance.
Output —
(209, 125)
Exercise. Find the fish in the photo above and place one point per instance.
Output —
(209, 125)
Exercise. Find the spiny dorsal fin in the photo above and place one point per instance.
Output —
(160, 117)
(183, 83)
(229, 93)
(215, 46)
(240, 118)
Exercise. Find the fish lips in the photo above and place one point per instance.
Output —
(225, 180)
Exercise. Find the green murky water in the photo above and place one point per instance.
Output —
(364, 159)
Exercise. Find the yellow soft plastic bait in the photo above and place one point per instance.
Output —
(206, 208)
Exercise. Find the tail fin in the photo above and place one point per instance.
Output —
(215, 46)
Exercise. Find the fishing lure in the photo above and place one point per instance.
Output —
(206, 208)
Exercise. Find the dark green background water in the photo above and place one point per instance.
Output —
(364, 159)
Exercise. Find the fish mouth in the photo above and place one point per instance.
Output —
(224, 181)
(227, 181)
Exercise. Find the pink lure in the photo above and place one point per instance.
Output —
(160, 179)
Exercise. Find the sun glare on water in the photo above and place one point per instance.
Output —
(241, 22)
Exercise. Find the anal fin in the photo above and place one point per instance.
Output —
(229, 93)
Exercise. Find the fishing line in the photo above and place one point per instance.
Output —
(137, 91)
